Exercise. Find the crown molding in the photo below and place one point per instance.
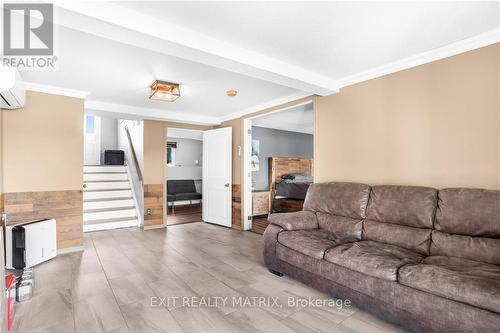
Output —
(48, 89)
(465, 45)
(150, 113)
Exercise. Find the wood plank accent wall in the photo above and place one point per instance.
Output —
(236, 206)
(153, 199)
(63, 206)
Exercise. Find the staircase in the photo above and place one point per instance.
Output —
(108, 202)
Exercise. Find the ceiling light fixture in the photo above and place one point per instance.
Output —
(232, 93)
(164, 91)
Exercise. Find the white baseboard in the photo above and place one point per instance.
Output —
(70, 250)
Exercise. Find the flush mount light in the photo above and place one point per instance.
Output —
(232, 93)
(165, 91)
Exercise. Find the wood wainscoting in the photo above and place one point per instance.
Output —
(236, 206)
(66, 207)
(153, 199)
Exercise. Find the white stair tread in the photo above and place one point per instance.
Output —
(104, 168)
(114, 185)
(109, 214)
(107, 204)
(110, 224)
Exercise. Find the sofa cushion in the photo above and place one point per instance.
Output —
(471, 212)
(340, 207)
(413, 239)
(473, 248)
(462, 280)
(411, 206)
(372, 258)
(342, 199)
(313, 243)
(175, 186)
(402, 216)
(346, 227)
(302, 220)
(188, 196)
(468, 225)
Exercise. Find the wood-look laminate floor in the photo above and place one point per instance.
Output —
(108, 288)
(184, 214)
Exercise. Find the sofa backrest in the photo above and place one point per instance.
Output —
(402, 216)
(468, 225)
(340, 207)
(177, 186)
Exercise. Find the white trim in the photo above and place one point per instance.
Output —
(48, 89)
(109, 226)
(70, 250)
(150, 113)
(247, 174)
(266, 105)
(465, 45)
(282, 109)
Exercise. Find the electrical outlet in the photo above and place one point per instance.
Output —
(148, 211)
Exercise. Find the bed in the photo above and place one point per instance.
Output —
(289, 179)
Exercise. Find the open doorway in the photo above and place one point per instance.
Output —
(183, 170)
(278, 163)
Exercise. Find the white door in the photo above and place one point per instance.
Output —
(92, 145)
(217, 145)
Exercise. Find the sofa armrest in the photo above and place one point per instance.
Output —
(303, 220)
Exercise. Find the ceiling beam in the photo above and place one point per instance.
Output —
(119, 23)
(134, 112)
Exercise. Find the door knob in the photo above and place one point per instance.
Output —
(84, 185)
(226, 184)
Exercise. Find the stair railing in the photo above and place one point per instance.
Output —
(135, 176)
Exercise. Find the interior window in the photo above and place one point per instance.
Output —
(89, 124)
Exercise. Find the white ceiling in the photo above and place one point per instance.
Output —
(296, 119)
(121, 74)
(335, 39)
(272, 52)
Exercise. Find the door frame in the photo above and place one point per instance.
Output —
(165, 168)
(247, 158)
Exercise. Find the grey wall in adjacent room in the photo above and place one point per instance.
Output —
(277, 143)
(187, 153)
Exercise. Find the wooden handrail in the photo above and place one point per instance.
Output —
(134, 156)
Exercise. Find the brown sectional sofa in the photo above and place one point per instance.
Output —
(425, 259)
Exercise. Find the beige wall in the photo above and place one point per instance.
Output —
(43, 144)
(435, 125)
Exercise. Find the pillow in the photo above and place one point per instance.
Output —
(298, 177)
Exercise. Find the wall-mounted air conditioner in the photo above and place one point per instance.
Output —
(12, 90)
